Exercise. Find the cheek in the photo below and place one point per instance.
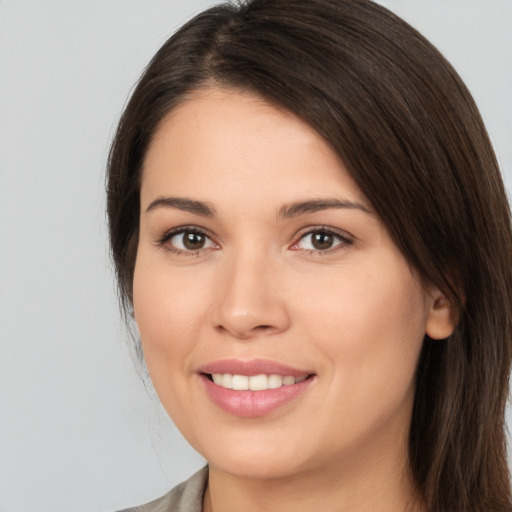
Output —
(384, 298)
(371, 327)
(167, 312)
(168, 315)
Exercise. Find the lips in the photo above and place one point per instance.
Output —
(253, 388)
(253, 367)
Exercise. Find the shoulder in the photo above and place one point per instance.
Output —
(185, 497)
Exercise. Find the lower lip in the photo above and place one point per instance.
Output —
(252, 404)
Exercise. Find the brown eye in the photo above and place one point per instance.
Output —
(322, 240)
(193, 241)
(190, 240)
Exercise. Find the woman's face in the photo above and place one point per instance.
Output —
(259, 257)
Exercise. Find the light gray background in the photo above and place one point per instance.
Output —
(78, 430)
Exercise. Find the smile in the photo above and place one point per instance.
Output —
(260, 382)
(254, 388)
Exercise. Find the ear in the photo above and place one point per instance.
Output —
(442, 316)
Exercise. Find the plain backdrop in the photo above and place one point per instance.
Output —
(79, 430)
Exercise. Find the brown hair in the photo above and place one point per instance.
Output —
(411, 136)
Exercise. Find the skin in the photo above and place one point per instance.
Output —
(354, 315)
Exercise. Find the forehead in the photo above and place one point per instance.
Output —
(221, 142)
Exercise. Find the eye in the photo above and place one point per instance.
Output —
(321, 240)
(187, 240)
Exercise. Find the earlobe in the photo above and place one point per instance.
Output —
(442, 318)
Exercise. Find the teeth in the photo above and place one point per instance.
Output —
(240, 382)
(275, 381)
(258, 382)
(254, 382)
(226, 381)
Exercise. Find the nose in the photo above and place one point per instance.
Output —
(249, 301)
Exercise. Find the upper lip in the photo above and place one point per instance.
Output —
(252, 367)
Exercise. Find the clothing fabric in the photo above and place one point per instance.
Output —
(185, 497)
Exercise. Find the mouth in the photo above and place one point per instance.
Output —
(261, 382)
(254, 388)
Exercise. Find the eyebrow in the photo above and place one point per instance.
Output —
(287, 211)
(303, 207)
(184, 204)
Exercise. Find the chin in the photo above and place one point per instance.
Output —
(257, 468)
(256, 455)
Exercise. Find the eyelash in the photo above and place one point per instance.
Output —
(343, 238)
(163, 241)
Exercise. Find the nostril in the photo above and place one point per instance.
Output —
(263, 329)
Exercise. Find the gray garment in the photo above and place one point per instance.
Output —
(186, 497)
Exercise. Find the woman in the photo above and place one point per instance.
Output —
(310, 229)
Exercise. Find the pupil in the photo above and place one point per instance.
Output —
(193, 241)
(322, 240)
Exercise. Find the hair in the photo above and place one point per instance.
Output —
(410, 135)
